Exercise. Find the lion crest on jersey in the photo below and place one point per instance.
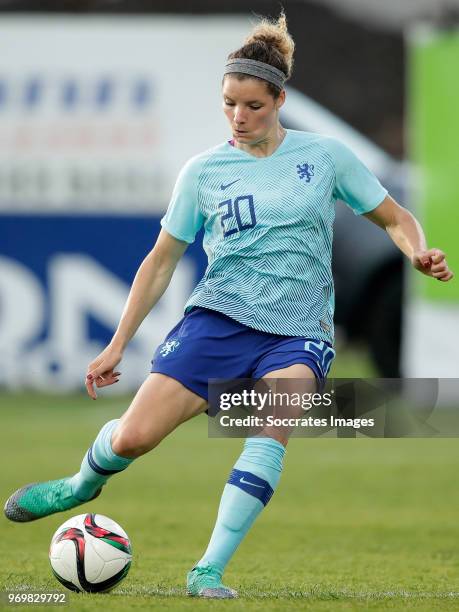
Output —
(305, 171)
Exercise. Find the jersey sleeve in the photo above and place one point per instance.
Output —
(355, 184)
(183, 218)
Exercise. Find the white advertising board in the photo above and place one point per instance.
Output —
(99, 114)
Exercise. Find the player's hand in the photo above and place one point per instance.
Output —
(432, 263)
(101, 371)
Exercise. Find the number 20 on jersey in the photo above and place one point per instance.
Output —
(241, 210)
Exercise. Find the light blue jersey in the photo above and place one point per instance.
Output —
(268, 229)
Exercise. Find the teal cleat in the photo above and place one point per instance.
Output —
(41, 499)
(206, 581)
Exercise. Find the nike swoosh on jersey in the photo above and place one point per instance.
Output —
(252, 484)
(223, 187)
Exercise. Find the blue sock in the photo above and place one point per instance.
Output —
(249, 488)
(99, 463)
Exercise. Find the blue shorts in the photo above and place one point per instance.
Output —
(207, 344)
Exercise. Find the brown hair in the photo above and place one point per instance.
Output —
(271, 43)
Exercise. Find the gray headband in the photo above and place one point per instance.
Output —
(257, 69)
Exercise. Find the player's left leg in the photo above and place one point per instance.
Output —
(250, 486)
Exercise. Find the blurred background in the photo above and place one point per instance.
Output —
(101, 103)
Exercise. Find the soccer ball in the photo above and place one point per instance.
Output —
(90, 552)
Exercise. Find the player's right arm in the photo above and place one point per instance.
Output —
(151, 281)
(181, 223)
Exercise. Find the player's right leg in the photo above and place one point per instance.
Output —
(161, 404)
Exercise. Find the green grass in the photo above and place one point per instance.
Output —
(356, 524)
(351, 361)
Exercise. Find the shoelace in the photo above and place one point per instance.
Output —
(56, 493)
(210, 572)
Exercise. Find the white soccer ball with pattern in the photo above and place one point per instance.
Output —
(91, 553)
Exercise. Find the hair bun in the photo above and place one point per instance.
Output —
(274, 34)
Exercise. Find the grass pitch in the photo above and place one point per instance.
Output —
(355, 523)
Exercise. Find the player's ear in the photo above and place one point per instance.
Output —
(280, 100)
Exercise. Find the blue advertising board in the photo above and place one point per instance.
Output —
(63, 284)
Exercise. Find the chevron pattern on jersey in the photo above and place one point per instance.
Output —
(268, 229)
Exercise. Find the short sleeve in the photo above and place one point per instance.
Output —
(355, 184)
(183, 218)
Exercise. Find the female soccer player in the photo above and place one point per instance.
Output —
(264, 308)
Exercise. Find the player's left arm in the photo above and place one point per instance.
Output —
(407, 234)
